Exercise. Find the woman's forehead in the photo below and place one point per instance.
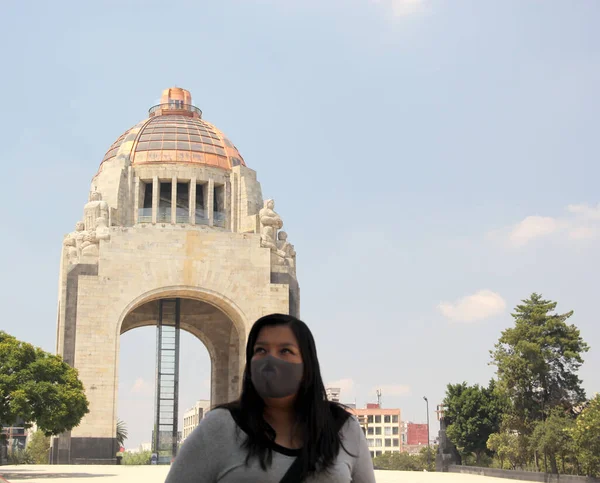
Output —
(278, 334)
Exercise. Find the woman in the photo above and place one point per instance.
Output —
(282, 428)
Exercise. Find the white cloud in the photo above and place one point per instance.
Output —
(531, 228)
(583, 233)
(585, 211)
(481, 305)
(140, 386)
(580, 222)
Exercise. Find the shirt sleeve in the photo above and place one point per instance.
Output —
(362, 472)
(199, 459)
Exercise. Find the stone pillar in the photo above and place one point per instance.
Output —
(193, 201)
(136, 199)
(219, 386)
(173, 200)
(227, 203)
(210, 207)
(233, 202)
(155, 187)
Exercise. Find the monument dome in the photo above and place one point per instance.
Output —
(175, 132)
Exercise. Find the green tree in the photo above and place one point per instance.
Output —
(506, 446)
(39, 448)
(398, 462)
(586, 435)
(38, 387)
(537, 362)
(141, 458)
(473, 413)
(553, 438)
(427, 458)
(121, 432)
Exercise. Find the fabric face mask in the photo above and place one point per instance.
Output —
(274, 378)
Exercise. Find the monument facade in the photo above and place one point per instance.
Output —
(175, 234)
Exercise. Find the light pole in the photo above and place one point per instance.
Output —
(428, 444)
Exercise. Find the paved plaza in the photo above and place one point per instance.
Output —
(157, 474)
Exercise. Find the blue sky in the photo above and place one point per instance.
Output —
(434, 163)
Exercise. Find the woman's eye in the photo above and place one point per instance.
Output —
(286, 350)
(258, 350)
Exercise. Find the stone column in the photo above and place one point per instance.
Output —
(234, 202)
(136, 199)
(219, 385)
(173, 200)
(193, 201)
(227, 203)
(211, 201)
(155, 187)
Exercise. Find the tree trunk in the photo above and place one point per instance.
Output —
(553, 465)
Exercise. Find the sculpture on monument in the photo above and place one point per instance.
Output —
(73, 241)
(287, 249)
(90, 248)
(94, 209)
(270, 222)
(83, 243)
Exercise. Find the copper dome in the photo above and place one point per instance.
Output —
(175, 133)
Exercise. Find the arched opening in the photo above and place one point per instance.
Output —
(166, 325)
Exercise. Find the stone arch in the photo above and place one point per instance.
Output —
(224, 304)
(226, 351)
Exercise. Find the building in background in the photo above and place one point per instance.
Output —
(382, 428)
(193, 416)
(333, 393)
(416, 434)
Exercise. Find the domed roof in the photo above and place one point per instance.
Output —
(175, 133)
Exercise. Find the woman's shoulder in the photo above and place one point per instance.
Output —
(218, 417)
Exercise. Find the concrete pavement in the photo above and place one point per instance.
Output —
(157, 474)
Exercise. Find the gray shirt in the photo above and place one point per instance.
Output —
(214, 453)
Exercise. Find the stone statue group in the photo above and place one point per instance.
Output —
(82, 245)
(282, 251)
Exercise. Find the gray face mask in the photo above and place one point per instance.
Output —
(274, 378)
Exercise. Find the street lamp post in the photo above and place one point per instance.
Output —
(428, 443)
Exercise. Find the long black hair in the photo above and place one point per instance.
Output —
(319, 419)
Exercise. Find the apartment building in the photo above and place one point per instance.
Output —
(381, 427)
(193, 416)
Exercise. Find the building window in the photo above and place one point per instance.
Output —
(164, 203)
(182, 207)
(370, 419)
(371, 430)
(372, 454)
(377, 419)
(378, 443)
(387, 431)
(387, 419)
(396, 442)
(370, 442)
(200, 211)
(377, 430)
(145, 208)
(388, 442)
(219, 206)
(395, 418)
(395, 430)
(377, 453)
